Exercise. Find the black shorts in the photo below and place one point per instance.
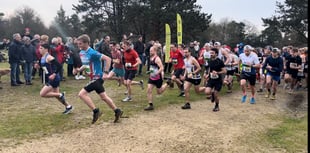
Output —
(230, 72)
(215, 83)
(250, 78)
(207, 69)
(158, 83)
(193, 81)
(95, 85)
(236, 70)
(178, 72)
(130, 74)
(292, 73)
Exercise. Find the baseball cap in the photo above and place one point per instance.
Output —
(276, 50)
(217, 44)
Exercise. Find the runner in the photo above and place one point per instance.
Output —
(250, 62)
(51, 76)
(156, 76)
(92, 65)
(118, 67)
(216, 69)
(292, 65)
(132, 62)
(274, 66)
(191, 75)
(176, 58)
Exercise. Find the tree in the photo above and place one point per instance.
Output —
(27, 17)
(292, 18)
(272, 34)
(143, 17)
(227, 32)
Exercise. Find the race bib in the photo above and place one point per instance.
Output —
(128, 65)
(229, 67)
(214, 76)
(174, 61)
(45, 69)
(189, 75)
(293, 65)
(246, 69)
(153, 71)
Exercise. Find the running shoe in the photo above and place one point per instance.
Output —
(243, 99)
(96, 115)
(252, 100)
(186, 106)
(118, 114)
(68, 110)
(127, 99)
(150, 107)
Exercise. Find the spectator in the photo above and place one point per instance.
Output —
(29, 57)
(15, 52)
(139, 47)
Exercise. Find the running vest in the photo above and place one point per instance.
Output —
(48, 68)
(206, 57)
(190, 68)
(154, 69)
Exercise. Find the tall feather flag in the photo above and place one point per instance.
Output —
(168, 41)
(179, 29)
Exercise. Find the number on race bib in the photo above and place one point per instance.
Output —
(293, 65)
(128, 65)
(174, 61)
(246, 69)
(214, 76)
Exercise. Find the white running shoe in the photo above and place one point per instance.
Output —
(77, 77)
(126, 99)
(81, 77)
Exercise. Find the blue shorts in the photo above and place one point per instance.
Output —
(54, 83)
(274, 77)
(119, 72)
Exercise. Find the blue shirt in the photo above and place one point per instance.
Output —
(92, 59)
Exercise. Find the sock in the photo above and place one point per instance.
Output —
(115, 110)
(269, 90)
(273, 93)
(216, 104)
(151, 104)
(96, 110)
(68, 106)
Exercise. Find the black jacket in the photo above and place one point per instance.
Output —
(29, 53)
(15, 52)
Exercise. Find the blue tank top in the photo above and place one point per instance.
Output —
(48, 68)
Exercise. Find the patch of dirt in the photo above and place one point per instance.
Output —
(174, 130)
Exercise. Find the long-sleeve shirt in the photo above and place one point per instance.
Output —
(275, 63)
(15, 52)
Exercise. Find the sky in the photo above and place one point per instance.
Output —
(250, 11)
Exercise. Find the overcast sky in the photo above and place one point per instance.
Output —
(239, 10)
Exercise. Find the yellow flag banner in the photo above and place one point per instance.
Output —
(168, 41)
(179, 29)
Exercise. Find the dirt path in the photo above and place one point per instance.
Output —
(171, 130)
